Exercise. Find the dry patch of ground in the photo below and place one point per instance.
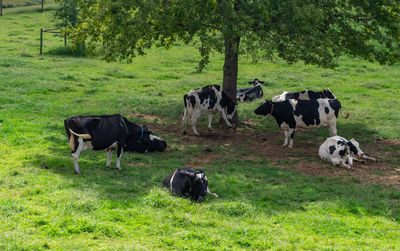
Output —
(304, 157)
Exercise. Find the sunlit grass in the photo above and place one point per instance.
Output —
(261, 206)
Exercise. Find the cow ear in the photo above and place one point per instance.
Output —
(262, 82)
(250, 82)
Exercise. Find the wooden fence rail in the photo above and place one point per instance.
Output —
(57, 32)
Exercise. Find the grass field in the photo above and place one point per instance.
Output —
(270, 198)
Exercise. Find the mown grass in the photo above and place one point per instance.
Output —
(261, 206)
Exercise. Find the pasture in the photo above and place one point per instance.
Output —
(270, 198)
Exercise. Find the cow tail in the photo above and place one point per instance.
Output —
(347, 114)
(188, 107)
(70, 136)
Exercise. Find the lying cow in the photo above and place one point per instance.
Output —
(250, 93)
(292, 113)
(339, 151)
(188, 182)
(207, 100)
(109, 132)
(304, 95)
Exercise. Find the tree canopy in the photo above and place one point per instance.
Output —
(313, 31)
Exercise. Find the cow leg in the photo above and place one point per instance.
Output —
(214, 194)
(195, 116)
(332, 129)
(286, 131)
(184, 121)
(75, 155)
(119, 153)
(226, 119)
(209, 122)
(109, 155)
(291, 132)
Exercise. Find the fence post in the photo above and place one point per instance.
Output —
(65, 39)
(1, 8)
(41, 40)
(42, 5)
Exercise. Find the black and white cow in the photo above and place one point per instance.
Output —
(340, 152)
(250, 93)
(207, 100)
(304, 95)
(109, 132)
(292, 113)
(188, 182)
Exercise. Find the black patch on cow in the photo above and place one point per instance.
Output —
(231, 108)
(192, 100)
(208, 94)
(328, 94)
(342, 142)
(332, 149)
(292, 95)
(343, 152)
(353, 148)
(184, 99)
(335, 105)
(282, 112)
(308, 109)
(326, 110)
(225, 100)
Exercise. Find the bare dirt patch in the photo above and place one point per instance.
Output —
(304, 157)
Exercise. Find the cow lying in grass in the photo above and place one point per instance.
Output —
(207, 100)
(250, 93)
(188, 182)
(109, 132)
(304, 95)
(291, 114)
(340, 152)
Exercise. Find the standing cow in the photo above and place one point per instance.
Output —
(207, 100)
(292, 113)
(109, 132)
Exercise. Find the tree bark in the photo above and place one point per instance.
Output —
(230, 70)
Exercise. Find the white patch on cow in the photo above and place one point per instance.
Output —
(172, 178)
(154, 137)
(113, 146)
(198, 175)
(304, 95)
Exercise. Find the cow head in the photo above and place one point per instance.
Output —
(256, 82)
(144, 141)
(198, 184)
(264, 109)
(355, 147)
(328, 94)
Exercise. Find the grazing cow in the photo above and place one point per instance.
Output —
(304, 95)
(339, 151)
(292, 113)
(209, 99)
(109, 132)
(250, 93)
(188, 182)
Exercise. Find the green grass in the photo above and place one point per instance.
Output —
(261, 206)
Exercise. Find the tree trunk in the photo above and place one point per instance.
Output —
(231, 70)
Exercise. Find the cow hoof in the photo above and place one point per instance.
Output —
(184, 132)
(284, 146)
(75, 172)
(108, 166)
(210, 129)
